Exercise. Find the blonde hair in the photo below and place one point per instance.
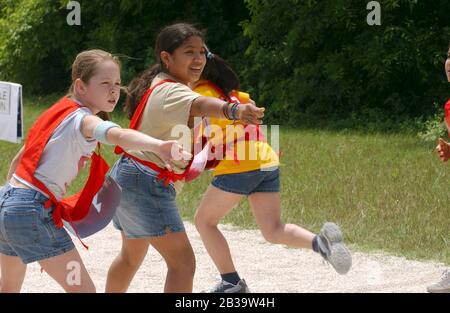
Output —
(84, 68)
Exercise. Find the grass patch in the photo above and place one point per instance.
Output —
(387, 191)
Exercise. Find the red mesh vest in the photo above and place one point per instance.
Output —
(73, 208)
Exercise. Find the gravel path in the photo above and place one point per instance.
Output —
(265, 267)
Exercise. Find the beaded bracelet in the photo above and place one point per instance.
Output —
(233, 110)
(225, 109)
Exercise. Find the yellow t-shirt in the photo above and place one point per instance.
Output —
(251, 155)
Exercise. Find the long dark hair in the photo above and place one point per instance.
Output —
(218, 71)
(169, 38)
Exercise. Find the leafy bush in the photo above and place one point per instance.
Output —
(37, 46)
(322, 60)
(309, 62)
(432, 128)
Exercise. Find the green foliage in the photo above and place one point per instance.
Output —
(311, 63)
(38, 46)
(35, 45)
(320, 59)
(433, 128)
(387, 192)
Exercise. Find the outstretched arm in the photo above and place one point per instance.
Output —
(130, 139)
(213, 107)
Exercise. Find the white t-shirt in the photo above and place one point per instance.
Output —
(64, 155)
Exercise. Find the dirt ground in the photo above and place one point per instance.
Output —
(265, 267)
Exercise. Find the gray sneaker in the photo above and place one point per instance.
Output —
(226, 287)
(441, 286)
(333, 250)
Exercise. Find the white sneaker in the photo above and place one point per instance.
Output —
(441, 286)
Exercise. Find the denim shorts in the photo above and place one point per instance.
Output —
(27, 229)
(246, 183)
(147, 207)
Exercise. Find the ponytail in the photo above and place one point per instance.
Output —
(137, 88)
(220, 73)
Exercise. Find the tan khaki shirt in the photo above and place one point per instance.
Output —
(169, 105)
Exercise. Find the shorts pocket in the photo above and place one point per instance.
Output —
(126, 176)
(21, 226)
(127, 169)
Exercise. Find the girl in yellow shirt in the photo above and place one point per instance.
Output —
(255, 176)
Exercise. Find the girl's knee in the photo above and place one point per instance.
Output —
(189, 262)
(185, 263)
(184, 269)
(198, 220)
(201, 222)
(272, 234)
(130, 260)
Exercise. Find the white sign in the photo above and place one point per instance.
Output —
(11, 108)
(5, 99)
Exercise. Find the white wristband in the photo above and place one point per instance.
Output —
(101, 129)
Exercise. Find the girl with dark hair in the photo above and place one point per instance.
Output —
(160, 100)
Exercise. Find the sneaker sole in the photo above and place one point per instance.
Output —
(238, 289)
(340, 257)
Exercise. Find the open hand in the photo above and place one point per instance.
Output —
(250, 114)
(170, 151)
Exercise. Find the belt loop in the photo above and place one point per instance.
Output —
(37, 196)
(7, 190)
